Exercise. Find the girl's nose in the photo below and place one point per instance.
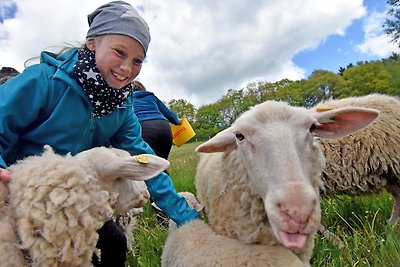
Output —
(126, 66)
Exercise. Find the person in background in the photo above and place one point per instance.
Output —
(7, 73)
(155, 118)
(79, 99)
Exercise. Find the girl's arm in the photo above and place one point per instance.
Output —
(23, 100)
(169, 114)
(161, 188)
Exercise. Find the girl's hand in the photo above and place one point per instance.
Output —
(5, 176)
(181, 120)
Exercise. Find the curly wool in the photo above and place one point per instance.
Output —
(54, 198)
(8, 241)
(369, 160)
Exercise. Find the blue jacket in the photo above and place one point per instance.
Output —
(46, 105)
(148, 107)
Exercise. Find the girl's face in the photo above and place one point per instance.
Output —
(119, 58)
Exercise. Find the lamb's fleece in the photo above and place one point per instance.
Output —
(56, 204)
(368, 161)
(195, 244)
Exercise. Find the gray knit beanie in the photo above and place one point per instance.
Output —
(119, 17)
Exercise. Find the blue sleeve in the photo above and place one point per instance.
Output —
(23, 99)
(161, 188)
(2, 163)
(169, 114)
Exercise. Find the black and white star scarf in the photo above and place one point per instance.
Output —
(104, 98)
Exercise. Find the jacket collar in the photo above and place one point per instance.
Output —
(64, 64)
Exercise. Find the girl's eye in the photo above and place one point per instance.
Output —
(119, 52)
(239, 136)
(137, 62)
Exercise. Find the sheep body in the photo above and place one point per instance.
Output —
(260, 182)
(57, 203)
(196, 244)
(368, 161)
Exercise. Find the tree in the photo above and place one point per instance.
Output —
(232, 105)
(308, 92)
(392, 65)
(261, 91)
(392, 22)
(365, 79)
(208, 121)
(183, 108)
(341, 71)
(321, 85)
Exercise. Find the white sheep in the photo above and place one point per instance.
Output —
(56, 203)
(368, 161)
(263, 186)
(196, 244)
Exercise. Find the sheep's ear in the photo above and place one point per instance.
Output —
(139, 168)
(145, 166)
(221, 142)
(337, 123)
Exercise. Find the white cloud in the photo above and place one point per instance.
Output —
(199, 49)
(376, 42)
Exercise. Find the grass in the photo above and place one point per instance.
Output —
(150, 234)
(360, 222)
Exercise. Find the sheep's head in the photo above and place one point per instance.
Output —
(131, 195)
(123, 175)
(111, 163)
(276, 144)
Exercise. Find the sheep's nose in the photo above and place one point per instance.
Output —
(297, 205)
(298, 215)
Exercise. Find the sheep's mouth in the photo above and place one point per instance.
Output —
(293, 240)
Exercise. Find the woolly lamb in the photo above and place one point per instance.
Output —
(264, 186)
(369, 161)
(196, 244)
(56, 203)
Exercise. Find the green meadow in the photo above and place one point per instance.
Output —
(359, 222)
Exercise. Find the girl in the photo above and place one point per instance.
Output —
(78, 99)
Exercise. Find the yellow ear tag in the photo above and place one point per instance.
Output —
(143, 158)
(323, 109)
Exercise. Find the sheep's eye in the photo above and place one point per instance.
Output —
(312, 127)
(239, 136)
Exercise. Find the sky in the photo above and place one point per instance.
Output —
(202, 48)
